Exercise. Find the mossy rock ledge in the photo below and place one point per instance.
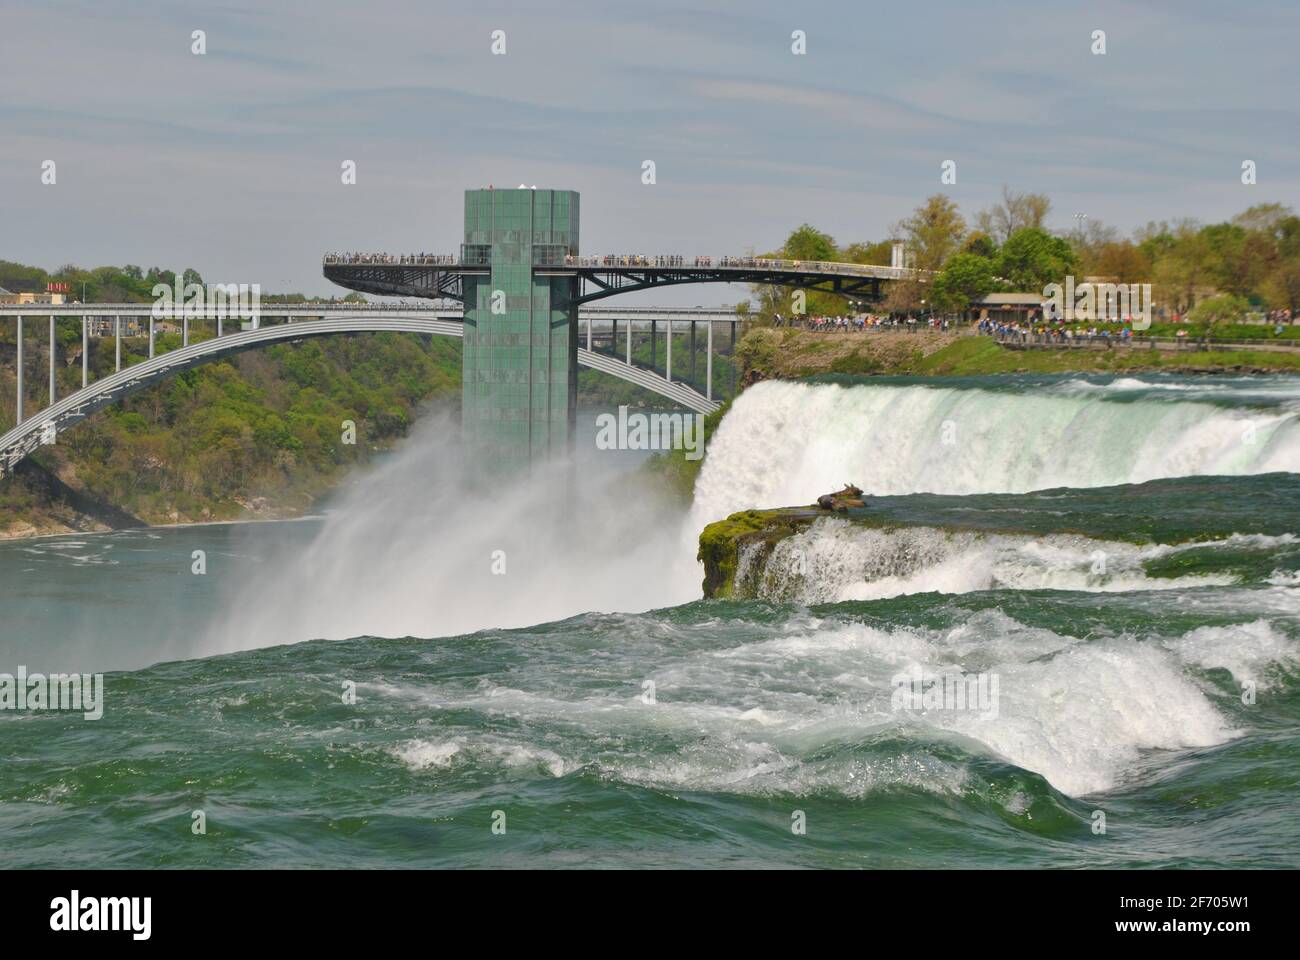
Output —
(723, 542)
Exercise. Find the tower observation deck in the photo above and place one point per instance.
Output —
(521, 278)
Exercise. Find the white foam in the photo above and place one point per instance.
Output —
(423, 754)
(807, 706)
(1079, 713)
(419, 755)
(836, 559)
(786, 443)
(1246, 650)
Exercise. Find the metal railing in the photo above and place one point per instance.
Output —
(178, 310)
(738, 263)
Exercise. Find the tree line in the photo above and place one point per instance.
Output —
(125, 284)
(1251, 262)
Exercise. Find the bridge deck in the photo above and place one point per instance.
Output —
(451, 264)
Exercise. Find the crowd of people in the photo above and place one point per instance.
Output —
(605, 260)
(637, 260)
(862, 321)
(676, 260)
(1055, 333)
(394, 259)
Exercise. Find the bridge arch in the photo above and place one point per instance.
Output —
(75, 407)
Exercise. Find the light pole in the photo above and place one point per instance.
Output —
(1078, 225)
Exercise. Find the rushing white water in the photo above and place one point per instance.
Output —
(801, 705)
(786, 443)
(835, 559)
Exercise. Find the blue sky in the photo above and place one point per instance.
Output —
(230, 162)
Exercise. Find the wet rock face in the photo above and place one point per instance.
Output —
(753, 534)
(722, 542)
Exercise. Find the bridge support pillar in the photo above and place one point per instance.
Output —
(629, 342)
(693, 380)
(85, 352)
(53, 385)
(117, 341)
(668, 370)
(151, 335)
(654, 344)
(733, 359)
(613, 338)
(589, 334)
(20, 371)
(708, 364)
(185, 330)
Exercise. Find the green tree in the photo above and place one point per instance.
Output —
(878, 254)
(1225, 264)
(1120, 261)
(932, 234)
(965, 278)
(1217, 311)
(1033, 258)
(981, 244)
(1154, 240)
(1281, 284)
(1182, 266)
(806, 242)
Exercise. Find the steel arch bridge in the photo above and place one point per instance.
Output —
(43, 426)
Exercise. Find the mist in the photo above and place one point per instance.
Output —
(421, 546)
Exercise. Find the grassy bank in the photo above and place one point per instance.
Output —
(791, 354)
(981, 355)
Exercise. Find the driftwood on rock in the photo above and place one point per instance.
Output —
(840, 501)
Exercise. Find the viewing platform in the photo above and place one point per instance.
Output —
(604, 275)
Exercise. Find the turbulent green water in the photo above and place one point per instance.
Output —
(1144, 629)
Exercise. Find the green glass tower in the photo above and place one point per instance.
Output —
(520, 368)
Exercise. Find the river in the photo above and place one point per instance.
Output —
(444, 672)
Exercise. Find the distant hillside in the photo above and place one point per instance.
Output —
(256, 435)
